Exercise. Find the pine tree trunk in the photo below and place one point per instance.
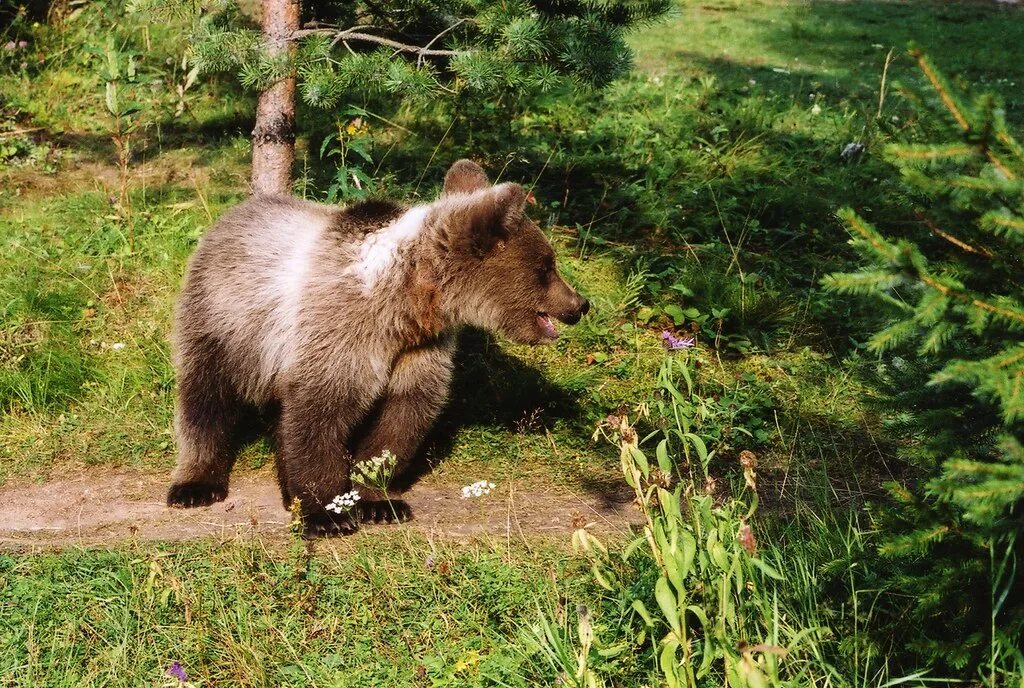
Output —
(273, 138)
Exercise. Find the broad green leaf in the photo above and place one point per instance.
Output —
(676, 313)
(601, 579)
(687, 551)
(667, 602)
(640, 608)
(698, 444)
(641, 461)
(669, 663)
(664, 463)
(767, 569)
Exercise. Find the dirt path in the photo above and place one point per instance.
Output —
(101, 507)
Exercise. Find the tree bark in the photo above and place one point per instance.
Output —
(273, 138)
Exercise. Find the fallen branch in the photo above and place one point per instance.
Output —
(19, 132)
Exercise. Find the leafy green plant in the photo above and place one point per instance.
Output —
(730, 309)
(348, 144)
(119, 73)
(707, 594)
(709, 617)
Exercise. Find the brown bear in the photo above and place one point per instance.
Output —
(336, 319)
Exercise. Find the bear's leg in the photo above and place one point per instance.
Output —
(206, 419)
(282, 475)
(416, 393)
(313, 461)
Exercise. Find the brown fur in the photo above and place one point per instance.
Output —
(345, 320)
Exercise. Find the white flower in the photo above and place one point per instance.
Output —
(118, 346)
(477, 489)
(376, 470)
(816, 110)
(342, 503)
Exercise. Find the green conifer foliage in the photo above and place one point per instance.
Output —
(424, 49)
(952, 353)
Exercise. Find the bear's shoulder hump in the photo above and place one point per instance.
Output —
(367, 216)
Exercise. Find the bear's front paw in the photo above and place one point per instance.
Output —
(328, 525)
(187, 495)
(384, 511)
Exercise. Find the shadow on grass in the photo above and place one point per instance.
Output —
(493, 389)
(206, 137)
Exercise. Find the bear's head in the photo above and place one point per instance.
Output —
(503, 266)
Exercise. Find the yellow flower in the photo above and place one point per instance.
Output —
(354, 126)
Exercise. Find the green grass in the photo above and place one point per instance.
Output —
(387, 610)
(698, 195)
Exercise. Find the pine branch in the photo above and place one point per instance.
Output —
(433, 40)
(1005, 138)
(357, 34)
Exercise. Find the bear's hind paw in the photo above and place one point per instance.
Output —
(326, 525)
(384, 511)
(188, 495)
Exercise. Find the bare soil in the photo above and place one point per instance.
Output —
(104, 507)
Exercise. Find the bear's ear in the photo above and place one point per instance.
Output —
(465, 176)
(510, 200)
(491, 218)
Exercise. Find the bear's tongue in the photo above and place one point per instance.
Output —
(548, 325)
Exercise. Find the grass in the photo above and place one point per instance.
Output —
(696, 195)
(390, 610)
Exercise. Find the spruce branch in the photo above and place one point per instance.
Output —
(930, 153)
(940, 86)
(939, 232)
(1002, 223)
(909, 260)
(947, 98)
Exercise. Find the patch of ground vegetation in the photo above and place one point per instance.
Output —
(697, 196)
(387, 610)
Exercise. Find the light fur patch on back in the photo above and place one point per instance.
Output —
(380, 250)
(288, 284)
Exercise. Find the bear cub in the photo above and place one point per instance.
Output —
(340, 324)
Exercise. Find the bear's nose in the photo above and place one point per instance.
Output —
(585, 307)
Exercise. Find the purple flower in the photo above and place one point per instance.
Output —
(674, 343)
(429, 562)
(177, 671)
(22, 44)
